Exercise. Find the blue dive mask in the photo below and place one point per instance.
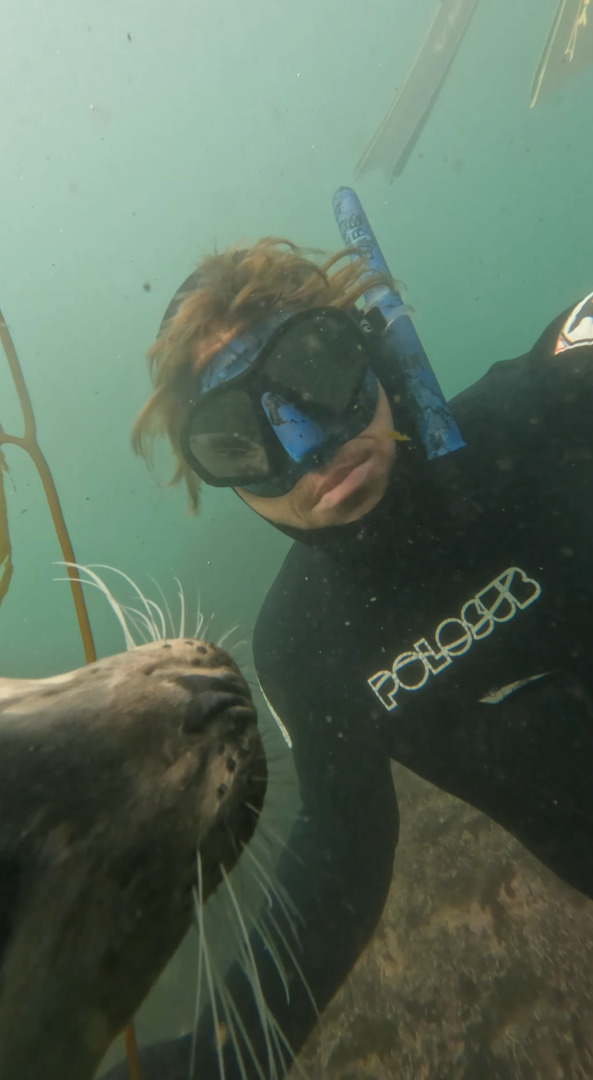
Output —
(280, 400)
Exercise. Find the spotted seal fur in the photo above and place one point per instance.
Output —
(111, 777)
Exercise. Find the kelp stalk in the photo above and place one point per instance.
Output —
(28, 442)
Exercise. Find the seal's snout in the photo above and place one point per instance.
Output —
(212, 703)
(211, 694)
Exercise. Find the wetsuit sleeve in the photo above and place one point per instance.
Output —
(336, 870)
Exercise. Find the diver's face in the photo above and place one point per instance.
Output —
(343, 491)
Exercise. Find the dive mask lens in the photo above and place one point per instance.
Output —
(315, 362)
(319, 360)
(224, 438)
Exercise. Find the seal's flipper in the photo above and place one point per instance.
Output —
(568, 49)
(393, 143)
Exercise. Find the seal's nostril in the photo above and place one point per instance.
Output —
(206, 706)
(200, 681)
(222, 790)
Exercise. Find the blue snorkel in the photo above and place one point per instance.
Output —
(433, 419)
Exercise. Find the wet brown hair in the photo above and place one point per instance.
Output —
(237, 288)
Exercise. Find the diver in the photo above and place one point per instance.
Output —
(436, 606)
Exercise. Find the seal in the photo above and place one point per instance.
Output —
(112, 778)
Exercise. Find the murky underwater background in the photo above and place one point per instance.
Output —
(137, 135)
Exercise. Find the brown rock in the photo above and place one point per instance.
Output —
(480, 969)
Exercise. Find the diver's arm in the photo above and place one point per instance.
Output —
(337, 871)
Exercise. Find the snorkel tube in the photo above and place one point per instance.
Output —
(433, 419)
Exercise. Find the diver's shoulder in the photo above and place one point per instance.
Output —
(560, 361)
(290, 596)
(568, 336)
(563, 349)
(499, 394)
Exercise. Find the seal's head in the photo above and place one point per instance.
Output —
(112, 777)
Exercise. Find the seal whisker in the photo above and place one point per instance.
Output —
(148, 604)
(268, 915)
(199, 618)
(144, 624)
(170, 625)
(155, 622)
(282, 897)
(232, 839)
(226, 994)
(282, 818)
(281, 815)
(200, 973)
(181, 596)
(268, 941)
(282, 1037)
(229, 915)
(272, 889)
(268, 1024)
(226, 1003)
(159, 628)
(270, 945)
(152, 617)
(227, 634)
(264, 1012)
(199, 910)
(140, 622)
(244, 643)
(282, 781)
(99, 584)
(265, 828)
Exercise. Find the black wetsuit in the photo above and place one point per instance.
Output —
(450, 630)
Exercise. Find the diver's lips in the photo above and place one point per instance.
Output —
(336, 477)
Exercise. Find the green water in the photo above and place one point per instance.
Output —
(136, 136)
